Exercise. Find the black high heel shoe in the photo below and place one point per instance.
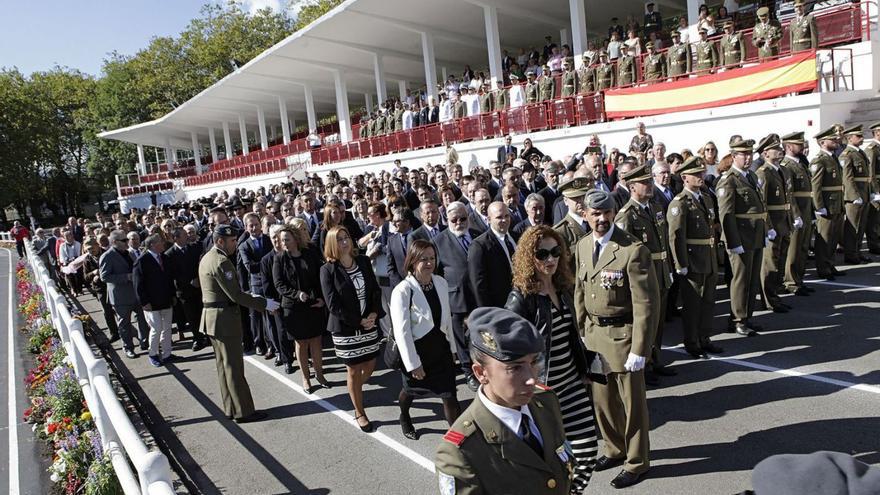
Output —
(367, 428)
(409, 431)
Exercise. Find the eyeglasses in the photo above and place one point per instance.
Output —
(457, 219)
(543, 254)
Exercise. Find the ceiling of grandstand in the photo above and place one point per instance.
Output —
(345, 38)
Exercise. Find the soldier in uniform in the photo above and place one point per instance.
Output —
(626, 68)
(546, 85)
(616, 298)
(655, 64)
(856, 194)
(586, 76)
(733, 51)
(803, 32)
(389, 121)
(774, 182)
(827, 179)
(743, 217)
(872, 152)
(692, 242)
(531, 88)
(604, 73)
(380, 125)
(639, 218)
(801, 194)
(501, 102)
(766, 35)
(459, 108)
(707, 55)
(678, 57)
(510, 439)
(569, 79)
(221, 322)
(365, 127)
(398, 117)
(486, 99)
(573, 227)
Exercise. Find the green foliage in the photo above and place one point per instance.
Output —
(38, 339)
(102, 478)
(312, 10)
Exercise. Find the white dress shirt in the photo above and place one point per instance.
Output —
(511, 418)
(605, 239)
(517, 97)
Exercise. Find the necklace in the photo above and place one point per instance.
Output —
(428, 286)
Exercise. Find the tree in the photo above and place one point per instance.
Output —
(313, 9)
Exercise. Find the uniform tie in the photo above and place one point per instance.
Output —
(525, 432)
(596, 253)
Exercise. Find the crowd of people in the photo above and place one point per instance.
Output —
(596, 252)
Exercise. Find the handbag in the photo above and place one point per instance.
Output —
(392, 351)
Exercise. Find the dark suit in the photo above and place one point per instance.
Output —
(550, 196)
(504, 150)
(249, 256)
(517, 230)
(660, 200)
(489, 270)
(422, 232)
(494, 187)
(452, 264)
(183, 264)
(621, 196)
(271, 322)
(341, 297)
(397, 256)
(153, 283)
(477, 223)
(517, 214)
(314, 224)
(560, 210)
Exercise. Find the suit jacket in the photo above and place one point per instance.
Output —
(412, 318)
(289, 277)
(249, 257)
(183, 264)
(490, 271)
(660, 201)
(452, 264)
(502, 153)
(517, 214)
(477, 223)
(318, 220)
(115, 271)
(267, 264)
(560, 210)
(517, 230)
(222, 296)
(396, 257)
(153, 283)
(422, 232)
(621, 196)
(550, 196)
(341, 297)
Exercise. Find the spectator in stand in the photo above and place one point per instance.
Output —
(471, 102)
(445, 112)
(555, 61)
(20, 233)
(653, 20)
(615, 46)
(407, 118)
(529, 150)
(615, 27)
(516, 94)
(313, 139)
(154, 286)
(656, 40)
(642, 141)
(684, 30)
(633, 43)
(706, 20)
(722, 17)
(709, 153)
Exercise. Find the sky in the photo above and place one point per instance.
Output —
(38, 35)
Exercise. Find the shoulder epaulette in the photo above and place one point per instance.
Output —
(454, 437)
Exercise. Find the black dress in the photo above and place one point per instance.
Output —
(437, 363)
(302, 321)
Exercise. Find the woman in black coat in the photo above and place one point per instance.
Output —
(529, 149)
(354, 301)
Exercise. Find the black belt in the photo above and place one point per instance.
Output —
(216, 304)
(611, 321)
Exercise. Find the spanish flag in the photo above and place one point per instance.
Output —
(765, 80)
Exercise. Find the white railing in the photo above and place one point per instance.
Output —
(6, 236)
(119, 437)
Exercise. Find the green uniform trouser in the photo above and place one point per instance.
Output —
(658, 329)
(622, 415)
(773, 268)
(872, 227)
(796, 261)
(698, 298)
(745, 284)
(234, 389)
(854, 228)
(827, 234)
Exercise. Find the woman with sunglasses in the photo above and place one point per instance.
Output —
(542, 293)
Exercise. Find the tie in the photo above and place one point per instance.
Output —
(312, 224)
(751, 180)
(465, 243)
(161, 265)
(510, 247)
(668, 194)
(403, 241)
(584, 226)
(702, 202)
(432, 232)
(525, 432)
(257, 244)
(596, 253)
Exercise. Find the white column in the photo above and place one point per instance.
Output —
(342, 113)
(272, 133)
(493, 43)
(142, 160)
(430, 64)
(261, 123)
(285, 124)
(401, 87)
(310, 108)
(578, 17)
(168, 154)
(368, 102)
(444, 74)
(242, 130)
(173, 159)
(693, 7)
(197, 154)
(212, 141)
(564, 37)
(227, 141)
(379, 75)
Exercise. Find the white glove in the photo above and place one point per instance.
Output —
(737, 250)
(875, 198)
(272, 305)
(822, 212)
(682, 272)
(634, 363)
(798, 223)
(771, 234)
(858, 202)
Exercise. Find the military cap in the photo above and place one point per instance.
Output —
(875, 126)
(603, 53)
(585, 55)
(763, 11)
(218, 208)
(770, 142)
(649, 4)
(636, 174)
(530, 73)
(502, 334)
(793, 137)
(692, 166)
(195, 206)
(514, 76)
(830, 133)
(728, 23)
(675, 33)
(798, 2)
(224, 230)
(575, 187)
(598, 199)
(704, 31)
(649, 44)
(463, 86)
(854, 130)
(740, 144)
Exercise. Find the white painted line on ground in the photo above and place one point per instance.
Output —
(840, 284)
(381, 437)
(14, 487)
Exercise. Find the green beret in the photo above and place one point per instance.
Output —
(599, 200)
(224, 230)
(502, 334)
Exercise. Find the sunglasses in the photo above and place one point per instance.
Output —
(543, 254)
(457, 219)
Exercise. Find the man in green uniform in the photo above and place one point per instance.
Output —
(692, 242)
(389, 121)
(221, 322)
(856, 194)
(804, 35)
(766, 35)
(573, 227)
(586, 76)
(616, 298)
(801, 193)
(626, 68)
(678, 56)
(531, 88)
(510, 439)
(604, 73)
(486, 99)
(639, 219)
(500, 96)
(365, 127)
(398, 117)
(773, 183)
(380, 124)
(546, 85)
(569, 79)
(827, 179)
(733, 51)
(744, 229)
(655, 64)
(872, 151)
(707, 55)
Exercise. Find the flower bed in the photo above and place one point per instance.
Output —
(58, 411)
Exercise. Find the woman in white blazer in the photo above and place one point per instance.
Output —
(422, 325)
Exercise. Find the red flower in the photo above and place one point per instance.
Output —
(52, 427)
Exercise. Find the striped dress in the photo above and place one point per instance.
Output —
(364, 344)
(577, 407)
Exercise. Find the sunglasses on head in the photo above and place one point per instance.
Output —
(543, 254)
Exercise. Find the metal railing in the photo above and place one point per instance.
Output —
(120, 439)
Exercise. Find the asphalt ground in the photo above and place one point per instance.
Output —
(810, 382)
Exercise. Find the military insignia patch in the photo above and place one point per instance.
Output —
(489, 341)
(447, 483)
(814, 167)
(674, 211)
(620, 225)
(720, 192)
(228, 275)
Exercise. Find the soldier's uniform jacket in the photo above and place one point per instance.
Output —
(586, 80)
(856, 174)
(741, 211)
(827, 180)
(649, 227)
(678, 59)
(389, 122)
(569, 83)
(707, 57)
(766, 38)
(622, 289)
(364, 129)
(222, 295)
(803, 32)
(380, 126)
(872, 153)
(570, 231)
(480, 455)
(501, 100)
(604, 76)
(692, 233)
(547, 88)
(774, 184)
(459, 110)
(733, 52)
(398, 120)
(532, 92)
(486, 101)
(655, 67)
(800, 189)
(626, 70)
